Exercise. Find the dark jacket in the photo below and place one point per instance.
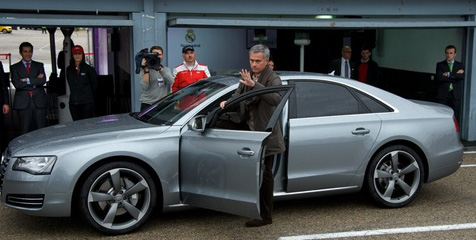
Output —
(444, 82)
(82, 84)
(372, 73)
(22, 93)
(336, 64)
(3, 87)
(262, 108)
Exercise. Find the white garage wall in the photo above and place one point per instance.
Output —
(415, 49)
(220, 49)
(407, 49)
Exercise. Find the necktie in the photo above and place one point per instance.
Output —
(451, 70)
(28, 72)
(347, 69)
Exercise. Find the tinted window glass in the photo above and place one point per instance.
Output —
(233, 117)
(372, 104)
(173, 106)
(317, 99)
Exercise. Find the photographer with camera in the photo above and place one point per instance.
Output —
(156, 79)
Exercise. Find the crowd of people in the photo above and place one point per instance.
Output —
(30, 101)
(366, 70)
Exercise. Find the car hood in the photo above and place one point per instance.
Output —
(83, 131)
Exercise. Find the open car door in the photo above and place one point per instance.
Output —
(220, 169)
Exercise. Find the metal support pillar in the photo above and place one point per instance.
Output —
(149, 29)
(468, 121)
(63, 101)
(302, 39)
(51, 31)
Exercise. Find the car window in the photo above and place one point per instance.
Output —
(318, 99)
(233, 117)
(172, 107)
(372, 104)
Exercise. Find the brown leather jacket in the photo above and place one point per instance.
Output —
(261, 109)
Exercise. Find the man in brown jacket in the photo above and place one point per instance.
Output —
(257, 114)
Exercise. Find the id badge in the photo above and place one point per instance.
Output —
(160, 81)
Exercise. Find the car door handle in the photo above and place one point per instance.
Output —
(361, 131)
(246, 152)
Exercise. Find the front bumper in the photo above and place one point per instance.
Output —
(29, 193)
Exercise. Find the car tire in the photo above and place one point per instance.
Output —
(4, 31)
(117, 197)
(395, 176)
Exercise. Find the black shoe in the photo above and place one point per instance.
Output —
(258, 223)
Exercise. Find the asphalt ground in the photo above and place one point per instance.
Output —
(445, 209)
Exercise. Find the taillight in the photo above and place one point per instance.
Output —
(456, 124)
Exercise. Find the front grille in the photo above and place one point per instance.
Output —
(31, 201)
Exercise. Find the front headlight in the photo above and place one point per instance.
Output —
(35, 165)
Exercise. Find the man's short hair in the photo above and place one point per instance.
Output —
(346, 49)
(25, 44)
(156, 48)
(450, 47)
(260, 48)
(365, 47)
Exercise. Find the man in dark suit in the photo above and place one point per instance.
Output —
(449, 77)
(343, 66)
(28, 77)
(3, 102)
(366, 70)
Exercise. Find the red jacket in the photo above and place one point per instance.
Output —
(184, 76)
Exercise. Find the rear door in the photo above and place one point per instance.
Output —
(220, 169)
(331, 132)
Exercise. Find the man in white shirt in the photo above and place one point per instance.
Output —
(343, 66)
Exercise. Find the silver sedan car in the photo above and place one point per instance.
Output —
(342, 136)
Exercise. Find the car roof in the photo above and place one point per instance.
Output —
(392, 100)
(232, 77)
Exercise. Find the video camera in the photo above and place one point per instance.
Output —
(152, 59)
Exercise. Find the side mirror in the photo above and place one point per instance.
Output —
(198, 123)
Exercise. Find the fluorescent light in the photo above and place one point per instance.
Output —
(324, 17)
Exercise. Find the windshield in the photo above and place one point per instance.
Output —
(172, 107)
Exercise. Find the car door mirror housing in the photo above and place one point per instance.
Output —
(198, 123)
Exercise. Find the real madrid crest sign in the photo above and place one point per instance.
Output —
(190, 36)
